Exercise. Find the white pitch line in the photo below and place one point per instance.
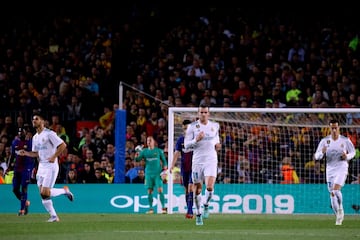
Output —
(225, 232)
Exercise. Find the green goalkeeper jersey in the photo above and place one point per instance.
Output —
(155, 160)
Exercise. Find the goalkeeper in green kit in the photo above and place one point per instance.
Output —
(155, 164)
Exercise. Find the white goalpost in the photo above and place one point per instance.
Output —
(257, 144)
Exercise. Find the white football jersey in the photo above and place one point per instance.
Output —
(46, 144)
(203, 151)
(334, 150)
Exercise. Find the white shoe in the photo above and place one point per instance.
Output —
(151, 211)
(199, 220)
(53, 219)
(339, 217)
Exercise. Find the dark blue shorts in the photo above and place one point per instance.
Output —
(21, 178)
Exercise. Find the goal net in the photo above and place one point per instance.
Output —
(260, 146)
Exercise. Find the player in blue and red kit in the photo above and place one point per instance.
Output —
(185, 168)
(23, 167)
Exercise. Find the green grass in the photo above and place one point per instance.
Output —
(173, 227)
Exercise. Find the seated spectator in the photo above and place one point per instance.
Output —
(140, 178)
(107, 119)
(88, 175)
(288, 172)
(132, 173)
(110, 152)
(9, 175)
(2, 175)
(71, 177)
(316, 174)
(99, 177)
(109, 173)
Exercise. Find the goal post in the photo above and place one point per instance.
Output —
(257, 143)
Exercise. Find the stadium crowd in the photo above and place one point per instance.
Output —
(70, 68)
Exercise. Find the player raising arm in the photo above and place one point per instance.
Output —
(155, 163)
(337, 150)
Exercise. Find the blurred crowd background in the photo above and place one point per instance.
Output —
(70, 66)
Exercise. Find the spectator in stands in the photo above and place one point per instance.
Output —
(293, 94)
(315, 174)
(74, 113)
(151, 125)
(88, 175)
(9, 175)
(109, 172)
(140, 178)
(100, 141)
(357, 180)
(9, 128)
(230, 161)
(55, 120)
(110, 152)
(7, 156)
(59, 129)
(107, 119)
(89, 157)
(2, 175)
(99, 177)
(3, 161)
(289, 174)
(133, 171)
(71, 177)
(54, 107)
(243, 93)
(243, 170)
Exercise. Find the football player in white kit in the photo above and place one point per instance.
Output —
(47, 146)
(337, 150)
(202, 136)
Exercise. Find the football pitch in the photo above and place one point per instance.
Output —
(175, 226)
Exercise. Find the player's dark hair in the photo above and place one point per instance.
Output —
(204, 105)
(39, 114)
(333, 121)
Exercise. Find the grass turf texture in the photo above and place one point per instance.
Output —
(175, 226)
